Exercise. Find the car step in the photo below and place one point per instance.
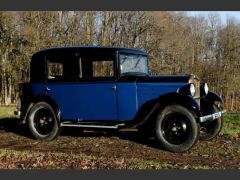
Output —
(116, 126)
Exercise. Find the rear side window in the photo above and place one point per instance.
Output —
(62, 68)
(55, 70)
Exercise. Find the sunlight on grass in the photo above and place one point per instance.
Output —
(7, 111)
(231, 126)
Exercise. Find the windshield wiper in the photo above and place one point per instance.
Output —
(138, 60)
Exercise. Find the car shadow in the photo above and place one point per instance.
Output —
(13, 125)
(133, 136)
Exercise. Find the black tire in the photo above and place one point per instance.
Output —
(42, 122)
(209, 130)
(176, 128)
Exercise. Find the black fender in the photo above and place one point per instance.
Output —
(45, 98)
(155, 105)
(186, 101)
(213, 97)
(207, 102)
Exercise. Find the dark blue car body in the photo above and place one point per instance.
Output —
(129, 99)
(97, 101)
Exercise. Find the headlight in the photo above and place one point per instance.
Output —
(205, 87)
(192, 90)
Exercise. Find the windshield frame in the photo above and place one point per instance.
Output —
(133, 54)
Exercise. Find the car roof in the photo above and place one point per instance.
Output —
(75, 49)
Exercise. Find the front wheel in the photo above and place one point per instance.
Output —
(211, 129)
(176, 128)
(42, 121)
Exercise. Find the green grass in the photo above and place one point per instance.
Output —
(7, 111)
(231, 126)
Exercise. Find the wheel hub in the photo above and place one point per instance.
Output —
(174, 129)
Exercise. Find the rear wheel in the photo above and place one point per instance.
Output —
(176, 128)
(43, 122)
(211, 129)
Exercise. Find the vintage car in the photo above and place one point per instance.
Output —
(111, 88)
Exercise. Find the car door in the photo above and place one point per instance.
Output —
(96, 101)
(127, 100)
(97, 95)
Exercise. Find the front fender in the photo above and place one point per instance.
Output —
(213, 97)
(186, 101)
(155, 105)
(208, 102)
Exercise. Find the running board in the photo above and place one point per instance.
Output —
(91, 126)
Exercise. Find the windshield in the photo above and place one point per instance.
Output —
(133, 64)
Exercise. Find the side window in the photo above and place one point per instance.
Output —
(102, 68)
(97, 66)
(55, 70)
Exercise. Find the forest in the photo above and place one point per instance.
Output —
(175, 42)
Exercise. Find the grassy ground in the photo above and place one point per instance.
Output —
(231, 127)
(100, 151)
(7, 111)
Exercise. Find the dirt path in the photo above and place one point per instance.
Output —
(130, 147)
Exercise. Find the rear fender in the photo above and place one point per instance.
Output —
(46, 99)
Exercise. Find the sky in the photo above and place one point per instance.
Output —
(223, 14)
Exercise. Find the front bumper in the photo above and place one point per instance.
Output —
(212, 117)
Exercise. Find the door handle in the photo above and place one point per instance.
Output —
(114, 87)
(47, 88)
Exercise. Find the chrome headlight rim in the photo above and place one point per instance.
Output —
(192, 89)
